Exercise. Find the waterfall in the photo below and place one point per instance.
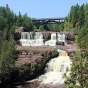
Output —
(53, 40)
(62, 38)
(39, 39)
(31, 35)
(55, 69)
(39, 35)
(22, 35)
(25, 35)
(28, 35)
(56, 37)
(31, 39)
(36, 39)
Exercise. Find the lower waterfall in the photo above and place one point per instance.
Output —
(55, 70)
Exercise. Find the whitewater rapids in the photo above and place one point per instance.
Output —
(55, 69)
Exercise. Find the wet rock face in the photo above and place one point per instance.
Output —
(17, 35)
(60, 43)
(46, 36)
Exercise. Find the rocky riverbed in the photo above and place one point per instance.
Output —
(30, 63)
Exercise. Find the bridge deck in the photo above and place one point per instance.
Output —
(42, 19)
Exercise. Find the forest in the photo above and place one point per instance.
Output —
(76, 21)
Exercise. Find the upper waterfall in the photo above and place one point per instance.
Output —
(36, 39)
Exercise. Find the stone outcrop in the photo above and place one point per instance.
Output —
(46, 35)
(17, 33)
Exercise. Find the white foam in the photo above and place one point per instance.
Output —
(55, 70)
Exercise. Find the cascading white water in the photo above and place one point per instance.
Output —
(61, 38)
(36, 39)
(56, 37)
(51, 42)
(55, 70)
(31, 39)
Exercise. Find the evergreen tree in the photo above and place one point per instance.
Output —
(75, 16)
(19, 20)
(86, 15)
(7, 58)
(81, 16)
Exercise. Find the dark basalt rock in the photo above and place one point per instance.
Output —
(17, 33)
(46, 36)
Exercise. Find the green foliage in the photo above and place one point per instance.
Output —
(41, 28)
(7, 58)
(78, 75)
(37, 30)
(82, 38)
(75, 31)
(39, 65)
(42, 53)
(76, 40)
(78, 17)
(60, 27)
(81, 16)
(68, 26)
(54, 52)
(74, 15)
(19, 20)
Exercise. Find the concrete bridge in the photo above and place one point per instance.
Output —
(49, 20)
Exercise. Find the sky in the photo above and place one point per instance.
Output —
(42, 8)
